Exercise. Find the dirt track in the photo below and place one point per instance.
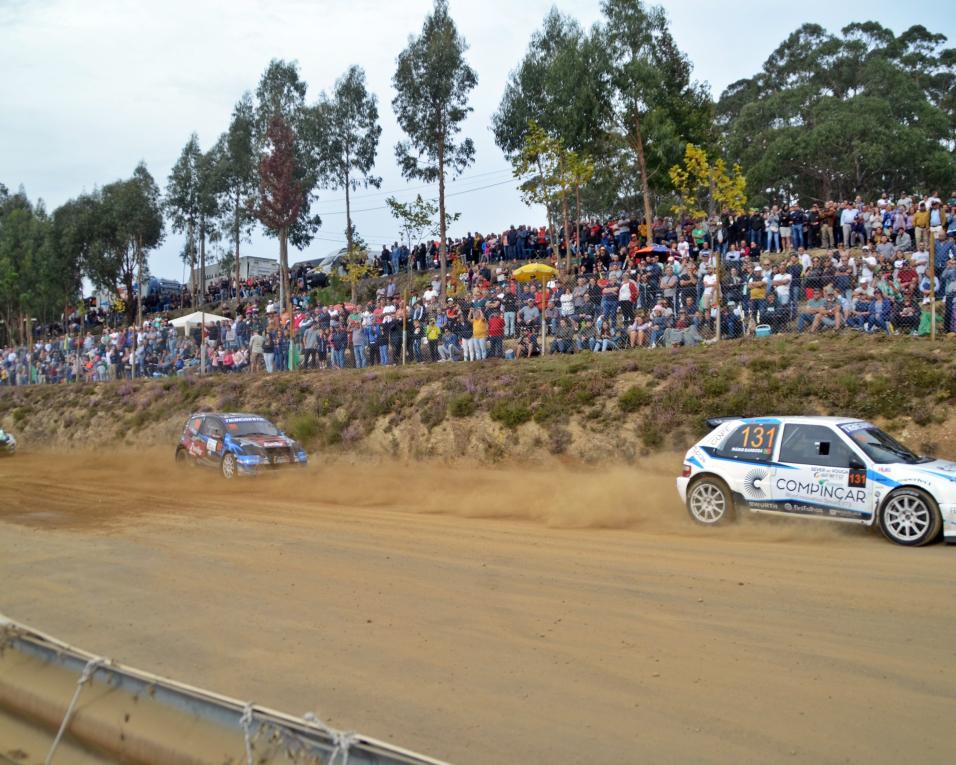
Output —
(574, 617)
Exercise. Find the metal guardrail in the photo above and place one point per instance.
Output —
(127, 715)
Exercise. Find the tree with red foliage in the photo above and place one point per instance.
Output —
(281, 194)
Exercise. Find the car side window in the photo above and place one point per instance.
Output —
(210, 424)
(753, 442)
(195, 425)
(814, 445)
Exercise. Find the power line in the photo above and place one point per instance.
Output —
(453, 194)
(408, 188)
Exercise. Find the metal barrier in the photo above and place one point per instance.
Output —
(131, 716)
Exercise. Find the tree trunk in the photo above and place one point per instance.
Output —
(567, 233)
(139, 278)
(237, 223)
(442, 252)
(645, 184)
(349, 237)
(202, 259)
(577, 217)
(191, 245)
(286, 304)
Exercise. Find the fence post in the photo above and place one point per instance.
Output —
(932, 285)
(717, 290)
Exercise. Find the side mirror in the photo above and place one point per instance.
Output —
(855, 464)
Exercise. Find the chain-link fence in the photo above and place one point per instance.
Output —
(597, 303)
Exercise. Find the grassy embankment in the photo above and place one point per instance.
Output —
(590, 407)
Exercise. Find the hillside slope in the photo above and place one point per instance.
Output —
(589, 407)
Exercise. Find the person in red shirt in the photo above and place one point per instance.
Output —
(907, 276)
(496, 334)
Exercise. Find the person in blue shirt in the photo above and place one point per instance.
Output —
(858, 315)
(881, 310)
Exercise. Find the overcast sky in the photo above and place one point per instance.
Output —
(91, 87)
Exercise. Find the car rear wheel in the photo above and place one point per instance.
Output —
(709, 501)
(910, 517)
(181, 457)
(228, 466)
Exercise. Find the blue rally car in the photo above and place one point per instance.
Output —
(237, 444)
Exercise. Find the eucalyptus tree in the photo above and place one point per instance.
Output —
(347, 140)
(127, 222)
(236, 180)
(652, 104)
(432, 82)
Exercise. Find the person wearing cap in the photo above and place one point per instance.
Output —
(858, 310)
(756, 291)
(529, 315)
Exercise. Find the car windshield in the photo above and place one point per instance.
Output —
(879, 446)
(251, 427)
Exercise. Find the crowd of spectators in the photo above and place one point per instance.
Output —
(869, 271)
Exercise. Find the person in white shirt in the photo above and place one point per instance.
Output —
(732, 255)
(867, 269)
(567, 303)
(781, 284)
(805, 260)
(710, 287)
(847, 217)
(920, 261)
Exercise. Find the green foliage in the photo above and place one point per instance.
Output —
(123, 222)
(829, 116)
(39, 267)
(462, 406)
(510, 413)
(653, 104)
(304, 427)
(556, 86)
(634, 398)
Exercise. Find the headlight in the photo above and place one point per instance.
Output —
(252, 449)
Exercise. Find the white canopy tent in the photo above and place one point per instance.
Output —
(197, 318)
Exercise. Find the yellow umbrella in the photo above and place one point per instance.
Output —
(542, 272)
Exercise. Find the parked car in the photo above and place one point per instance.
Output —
(836, 468)
(237, 444)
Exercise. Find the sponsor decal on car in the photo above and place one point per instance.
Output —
(754, 484)
(823, 490)
(852, 427)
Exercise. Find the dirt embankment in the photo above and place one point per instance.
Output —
(604, 408)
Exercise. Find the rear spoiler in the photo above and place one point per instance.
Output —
(713, 422)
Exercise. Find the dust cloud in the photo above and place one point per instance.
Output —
(101, 488)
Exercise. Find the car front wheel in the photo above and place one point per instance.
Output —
(229, 466)
(910, 517)
(709, 501)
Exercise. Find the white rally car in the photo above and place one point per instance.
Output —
(830, 467)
